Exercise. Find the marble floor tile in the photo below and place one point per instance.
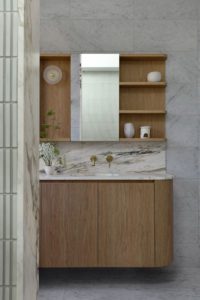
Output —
(118, 284)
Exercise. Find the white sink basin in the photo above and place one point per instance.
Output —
(107, 174)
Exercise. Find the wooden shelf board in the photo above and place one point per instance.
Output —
(57, 56)
(143, 56)
(142, 112)
(143, 84)
(44, 140)
(142, 140)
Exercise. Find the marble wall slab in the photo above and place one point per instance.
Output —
(28, 141)
(171, 27)
(127, 157)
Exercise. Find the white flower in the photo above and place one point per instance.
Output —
(48, 153)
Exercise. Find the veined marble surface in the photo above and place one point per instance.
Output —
(131, 161)
(107, 176)
(28, 140)
(127, 157)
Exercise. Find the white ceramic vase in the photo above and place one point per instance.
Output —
(129, 130)
(49, 170)
(154, 76)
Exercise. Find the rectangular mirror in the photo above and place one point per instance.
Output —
(99, 109)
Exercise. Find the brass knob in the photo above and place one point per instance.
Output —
(93, 159)
(109, 159)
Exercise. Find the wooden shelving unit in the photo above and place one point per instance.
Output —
(142, 140)
(142, 102)
(143, 84)
(44, 140)
(142, 112)
(56, 97)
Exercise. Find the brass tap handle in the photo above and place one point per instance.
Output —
(93, 159)
(109, 159)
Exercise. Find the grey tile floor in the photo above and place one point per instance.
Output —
(120, 284)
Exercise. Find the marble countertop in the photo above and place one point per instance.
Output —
(108, 176)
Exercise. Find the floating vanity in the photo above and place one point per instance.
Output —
(106, 221)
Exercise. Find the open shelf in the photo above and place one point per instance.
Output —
(143, 84)
(56, 98)
(144, 56)
(142, 112)
(141, 102)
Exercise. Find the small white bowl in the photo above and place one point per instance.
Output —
(154, 76)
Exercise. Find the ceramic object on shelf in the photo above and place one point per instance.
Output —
(145, 132)
(52, 75)
(129, 130)
(49, 170)
(154, 76)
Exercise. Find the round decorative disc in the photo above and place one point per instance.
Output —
(52, 75)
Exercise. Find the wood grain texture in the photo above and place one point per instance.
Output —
(142, 112)
(143, 84)
(132, 70)
(68, 224)
(144, 56)
(126, 224)
(150, 98)
(136, 94)
(56, 97)
(163, 223)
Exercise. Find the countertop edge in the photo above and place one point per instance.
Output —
(104, 178)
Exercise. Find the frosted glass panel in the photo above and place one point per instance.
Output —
(1, 262)
(8, 5)
(7, 80)
(1, 125)
(14, 79)
(1, 171)
(1, 74)
(7, 125)
(8, 150)
(1, 219)
(1, 5)
(14, 125)
(14, 5)
(99, 97)
(15, 34)
(1, 33)
(8, 33)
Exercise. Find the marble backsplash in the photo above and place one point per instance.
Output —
(128, 157)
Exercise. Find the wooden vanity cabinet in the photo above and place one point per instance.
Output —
(68, 226)
(126, 224)
(106, 223)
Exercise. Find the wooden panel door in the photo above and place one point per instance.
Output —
(68, 224)
(163, 222)
(126, 224)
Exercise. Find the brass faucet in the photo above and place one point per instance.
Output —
(109, 159)
(93, 159)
